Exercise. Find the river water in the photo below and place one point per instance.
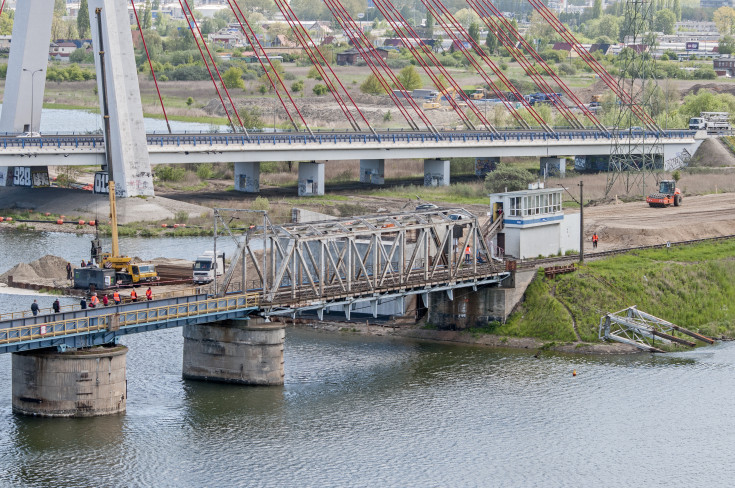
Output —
(374, 411)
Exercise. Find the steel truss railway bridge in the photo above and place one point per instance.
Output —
(342, 265)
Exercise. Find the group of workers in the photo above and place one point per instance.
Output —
(94, 300)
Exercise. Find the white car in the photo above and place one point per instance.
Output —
(29, 134)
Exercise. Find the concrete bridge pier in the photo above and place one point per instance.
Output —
(553, 166)
(466, 308)
(242, 351)
(311, 179)
(372, 171)
(247, 176)
(436, 172)
(78, 383)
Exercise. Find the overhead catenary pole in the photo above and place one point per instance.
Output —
(108, 143)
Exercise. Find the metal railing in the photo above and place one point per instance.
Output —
(217, 139)
(115, 321)
(22, 314)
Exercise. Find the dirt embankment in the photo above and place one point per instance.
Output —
(637, 224)
(713, 153)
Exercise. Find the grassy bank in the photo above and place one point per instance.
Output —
(691, 286)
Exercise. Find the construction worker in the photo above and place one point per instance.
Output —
(56, 306)
(105, 300)
(116, 297)
(594, 240)
(94, 301)
(149, 293)
(69, 274)
(467, 255)
(133, 296)
(34, 308)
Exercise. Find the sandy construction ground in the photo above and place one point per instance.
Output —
(637, 224)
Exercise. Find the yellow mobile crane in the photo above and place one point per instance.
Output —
(126, 270)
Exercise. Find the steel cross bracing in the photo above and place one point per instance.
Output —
(642, 330)
(338, 262)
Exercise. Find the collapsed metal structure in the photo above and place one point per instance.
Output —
(341, 262)
(640, 329)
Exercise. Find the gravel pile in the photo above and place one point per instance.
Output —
(47, 268)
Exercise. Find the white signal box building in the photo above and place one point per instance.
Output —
(534, 223)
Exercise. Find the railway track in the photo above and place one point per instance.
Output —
(535, 263)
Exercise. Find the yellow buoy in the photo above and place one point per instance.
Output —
(574, 372)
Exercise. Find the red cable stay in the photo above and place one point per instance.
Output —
(267, 58)
(530, 50)
(592, 63)
(191, 13)
(526, 65)
(206, 65)
(147, 54)
(401, 27)
(2, 7)
(306, 41)
(456, 25)
(360, 42)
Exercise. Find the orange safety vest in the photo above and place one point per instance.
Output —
(133, 295)
(116, 296)
(149, 293)
(94, 301)
(594, 238)
(467, 250)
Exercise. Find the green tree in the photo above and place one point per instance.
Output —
(491, 41)
(724, 19)
(508, 178)
(233, 78)
(146, 22)
(410, 78)
(83, 19)
(59, 8)
(189, 101)
(372, 86)
(474, 31)
(664, 21)
(429, 25)
(726, 45)
(677, 10)
(597, 9)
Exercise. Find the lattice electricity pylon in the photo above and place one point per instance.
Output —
(642, 330)
(636, 152)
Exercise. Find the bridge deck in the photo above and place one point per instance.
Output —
(86, 328)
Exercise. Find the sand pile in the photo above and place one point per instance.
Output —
(41, 271)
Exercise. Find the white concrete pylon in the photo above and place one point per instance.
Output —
(26, 76)
(129, 151)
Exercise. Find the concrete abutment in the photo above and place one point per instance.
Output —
(468, 308)
(553, 166)
(79, 383)
(242, 351)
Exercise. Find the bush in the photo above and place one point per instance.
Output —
(204, 171)
(261, 203)
(169, 173)
(508, 178)
(567, 69)
(320, 90)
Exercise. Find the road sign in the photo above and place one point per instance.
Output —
(360, 15)
(692, 46)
